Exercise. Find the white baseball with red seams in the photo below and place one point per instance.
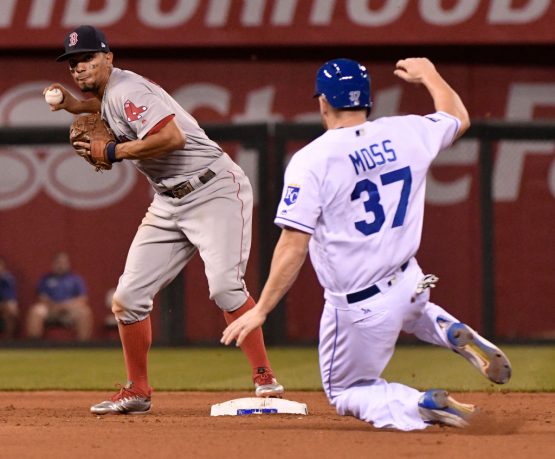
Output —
(53, 96)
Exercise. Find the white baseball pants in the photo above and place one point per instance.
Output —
(358, 340)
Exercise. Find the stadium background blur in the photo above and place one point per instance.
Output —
(245, 70)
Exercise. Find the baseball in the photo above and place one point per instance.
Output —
(53, 96)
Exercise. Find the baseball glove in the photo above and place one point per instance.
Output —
(94, 130)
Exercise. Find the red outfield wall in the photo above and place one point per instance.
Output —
(50, 200)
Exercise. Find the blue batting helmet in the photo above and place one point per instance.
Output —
(345, 83)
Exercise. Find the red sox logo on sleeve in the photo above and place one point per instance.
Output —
(133, 112)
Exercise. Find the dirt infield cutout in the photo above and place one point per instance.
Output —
(57, 424)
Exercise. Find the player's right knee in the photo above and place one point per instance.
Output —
(127, 309)
(117, 306)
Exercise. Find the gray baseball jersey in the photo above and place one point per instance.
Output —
(133, 106)
(214, 215)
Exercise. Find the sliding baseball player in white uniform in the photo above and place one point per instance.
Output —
(354, 198)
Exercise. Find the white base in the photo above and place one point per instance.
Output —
(255, 405)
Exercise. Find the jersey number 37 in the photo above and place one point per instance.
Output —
(372, 204)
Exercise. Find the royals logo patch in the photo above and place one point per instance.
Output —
(291, 194)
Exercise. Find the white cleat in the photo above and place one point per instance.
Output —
(437, 407)
(485, 356)
(266, 385)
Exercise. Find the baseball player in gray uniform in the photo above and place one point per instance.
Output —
(354, 198)
(203, 202)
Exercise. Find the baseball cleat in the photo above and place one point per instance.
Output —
(485, 356)
(266, 385)
(126, 401)
(437, 407)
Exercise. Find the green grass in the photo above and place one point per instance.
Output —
(222, 368)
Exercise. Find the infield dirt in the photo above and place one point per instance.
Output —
(58, 425)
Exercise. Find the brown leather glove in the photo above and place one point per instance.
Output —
(94, 130)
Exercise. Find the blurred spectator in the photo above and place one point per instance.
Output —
(62, 301)
(8, 302)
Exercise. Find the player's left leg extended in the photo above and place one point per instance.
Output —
(253, 346)
(437, 326)
(218, 222)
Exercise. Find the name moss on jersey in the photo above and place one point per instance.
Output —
(374, 155)
(360, 192)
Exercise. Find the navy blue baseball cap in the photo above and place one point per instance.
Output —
(84, 39)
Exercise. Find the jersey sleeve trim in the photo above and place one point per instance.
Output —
(456, 120)
(160, 125)
(281, 222)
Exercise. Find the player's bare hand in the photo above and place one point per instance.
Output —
(240, 328)
(69, 101)
(82, 148)
(414, 69)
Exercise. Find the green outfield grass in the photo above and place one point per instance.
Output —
(220, 368)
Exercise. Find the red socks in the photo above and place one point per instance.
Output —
(253, 345)
(136, 339)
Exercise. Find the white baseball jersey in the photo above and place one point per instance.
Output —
(360, 192)
(133, 106)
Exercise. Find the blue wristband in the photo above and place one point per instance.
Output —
(111, 152)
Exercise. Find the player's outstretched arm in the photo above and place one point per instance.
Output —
(289, 256)
(419, 70)
(71, 104)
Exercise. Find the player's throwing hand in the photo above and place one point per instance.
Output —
(414, 69)
(69, 102)
(419, 70)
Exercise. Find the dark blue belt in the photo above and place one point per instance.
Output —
(368, 292)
